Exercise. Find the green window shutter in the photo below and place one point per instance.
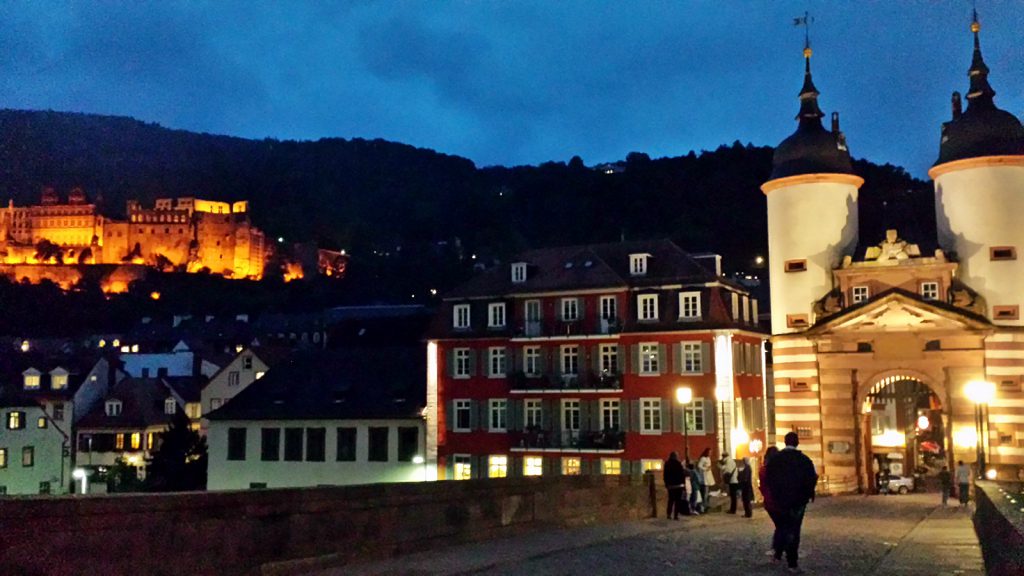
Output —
(474, 414)
(709, 416)
(677, 358)
(737, 357)
(479, 464)
(472, 362)
(595, 357)
(585, 416)
(675, 410)
(705, 358)
(662, 359)
(582, 311)
(634, 358)
(542, 360)
(449, 360)
(449, 420)
(515, 414)
(551, 466)
(624, 420)
(556, 361)
(666, 424)
(634, 415)
(515, 467)
(758, 364)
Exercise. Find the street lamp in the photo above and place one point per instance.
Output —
(684, 395)
(981, 393)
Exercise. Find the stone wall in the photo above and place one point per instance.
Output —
(999, 523)
(246, 532)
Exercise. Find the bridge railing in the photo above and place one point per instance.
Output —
(999, 523)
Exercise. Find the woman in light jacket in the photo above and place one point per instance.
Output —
(704, 467)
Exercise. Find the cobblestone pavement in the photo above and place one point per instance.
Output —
(850, 535)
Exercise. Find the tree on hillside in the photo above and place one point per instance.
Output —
(180, 462)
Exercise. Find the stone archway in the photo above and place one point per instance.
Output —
(904, 395)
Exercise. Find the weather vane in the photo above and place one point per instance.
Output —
(805, 21)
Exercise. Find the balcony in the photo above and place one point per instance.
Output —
(567, 328)
(537, 439)
(581, 382)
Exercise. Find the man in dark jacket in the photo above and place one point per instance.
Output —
(675, 478)
(791, 478)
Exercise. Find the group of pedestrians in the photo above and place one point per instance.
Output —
(787, 481)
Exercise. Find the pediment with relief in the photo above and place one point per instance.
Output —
(898, 312)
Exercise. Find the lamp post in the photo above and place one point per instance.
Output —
(981, 393)
(684, 395)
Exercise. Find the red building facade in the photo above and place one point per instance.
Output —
(568, 361)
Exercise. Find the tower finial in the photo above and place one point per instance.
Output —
(809, 111)
(980, 93)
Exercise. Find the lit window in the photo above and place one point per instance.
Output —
(533, 466)
(859, 294)
(41, 422)
(647, 307)
(532, 413)
(170, 406)
(650, 415)
(692, 358)
(611, 466)
(649, 358)
(498, 413)
(610, 414)
(570, 466)
(32, 381)
(497, 466)
(260, 375)
(462, 368)
(462, 467)
(58, 381)
(638, 264)
(15, 420)
(930, 290)
(531, 360)
(496, 315)
(3, 457)
(496, 362)
(570, 360)
(461, 316)
(136, 441)
(570, 309)
(651, 465)
(462, 415)
(689, 306)
(119, 442)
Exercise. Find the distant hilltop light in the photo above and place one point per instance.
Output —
(759, 260)
(280, 238)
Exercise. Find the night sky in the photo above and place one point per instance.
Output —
(513, 82)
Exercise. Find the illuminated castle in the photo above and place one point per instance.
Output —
(184, 234)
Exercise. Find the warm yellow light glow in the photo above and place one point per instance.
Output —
(991, 474)
(980, 391)
(25, 346)
(154, 295)
(755, 446)
(965, 437)
(684, 394)
(889, 439)
(533, 466)
(102, 343)
(739, 437)
(923, 423)
(116, 343)
(865, 408)
(759, 260)
(292, 271)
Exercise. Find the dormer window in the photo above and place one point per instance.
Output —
(113, 408)
(58, 378)
(518, 272)
(170, 406)
(460, 316)
(638, 264)
(32, 379)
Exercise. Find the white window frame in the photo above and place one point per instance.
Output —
(113, 408)
(859, 294)
(638, 264)
(497, 415)
(649, 353)
(932, 287)
(461, 318)
(651, 464)
(569, 359)
(689, 306)
(462, 467)
(533, 412)
(497, 358)
(609, 358)
(533, 466)
(650, 416)
(647, 307)
(33, 381)
(571, 406)
(497, 466)
(529, 307)
(695, 414)
(611, 466)
(570, 305)
(458, 406)
(531, 361)
(461, 364)
(611, 414)
(496, 315)
(745, 307)
(691, 358)
(170, 406)
(608, 307)
(735, 306)
(518, 272)
(571, 466)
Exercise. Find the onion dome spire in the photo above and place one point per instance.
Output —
(981, 93)
(809, 110)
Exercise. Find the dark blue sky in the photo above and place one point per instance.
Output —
(516, 81)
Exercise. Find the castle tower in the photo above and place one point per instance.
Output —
(979, 194)
(812, 212)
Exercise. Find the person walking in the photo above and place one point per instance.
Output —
(745, 479)
(697, 489)
(727, 467)
(791, 479)
(674, 477)
(769, 503)
(704, 467)
(945, 484)
(963, 481)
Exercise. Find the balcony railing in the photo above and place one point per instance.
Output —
(535, 437)
(581, 381)
(560, 327)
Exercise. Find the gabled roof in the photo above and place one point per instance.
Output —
(349, 383)
(14, 365)
(897, 310)
(588, 267)
(142, 405)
